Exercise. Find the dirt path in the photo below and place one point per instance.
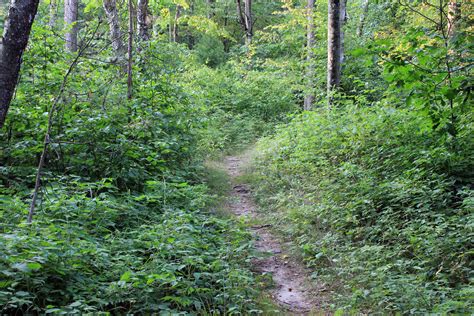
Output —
(291, 291)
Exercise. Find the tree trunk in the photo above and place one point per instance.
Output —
(70, 22)
(454, 13)
(246, 20)
(130, 50)
(142, 26)
(334, 47)
(110, 8)
(53, 8)
(363, 15)
(175, 24)
(309, 98)
(17, 27)
(343, 19)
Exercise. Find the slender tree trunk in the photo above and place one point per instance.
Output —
(142, 14)
(70, 22)
(110, 8)
(189, 34)
(363, 16)
(170, 29)
(130, 50)
(309, 98)
(334, 47)
(175, 24)
(225, 41)
(246, 20)
(53, 8)
(454, 13)
(16, 31)
(343, 19)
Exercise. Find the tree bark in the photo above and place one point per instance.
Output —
(70, 22)
(363, 16)
(110, 8)
(343, 19)
(142, 26)
(175, 24)
(454, 13)
(53, 7)
(21, 14)
(334, 47)
(309, 98)
(246, 20)
(130, 50)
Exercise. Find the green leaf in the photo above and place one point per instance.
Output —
(33, 266)
(126, 276)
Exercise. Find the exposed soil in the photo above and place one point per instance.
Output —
(293, 292)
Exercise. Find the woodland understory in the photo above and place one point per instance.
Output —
(357, 116)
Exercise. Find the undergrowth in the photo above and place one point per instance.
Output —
(155, 252)
(378, 199)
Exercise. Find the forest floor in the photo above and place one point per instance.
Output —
(292, 289)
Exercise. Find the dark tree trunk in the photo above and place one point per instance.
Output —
(142, 14)
(15, 38)
(70, 22)
(334, 46)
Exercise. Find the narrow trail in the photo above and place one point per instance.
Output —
(291, 291)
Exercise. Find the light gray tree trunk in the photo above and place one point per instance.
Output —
(246, 20)
(343, 19)
(130, 51)
(454, 14)
(309, 98)
(363, 16)
(175, 23)
(53, 8)
(70, 22)
(16, 31)
(334, 47)
(110, 8)
(142, 14)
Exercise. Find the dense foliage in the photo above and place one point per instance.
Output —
(374, 197)
(124, 222)
(375, 191)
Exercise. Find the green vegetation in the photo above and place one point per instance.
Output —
(371, 198)
(369, 178)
